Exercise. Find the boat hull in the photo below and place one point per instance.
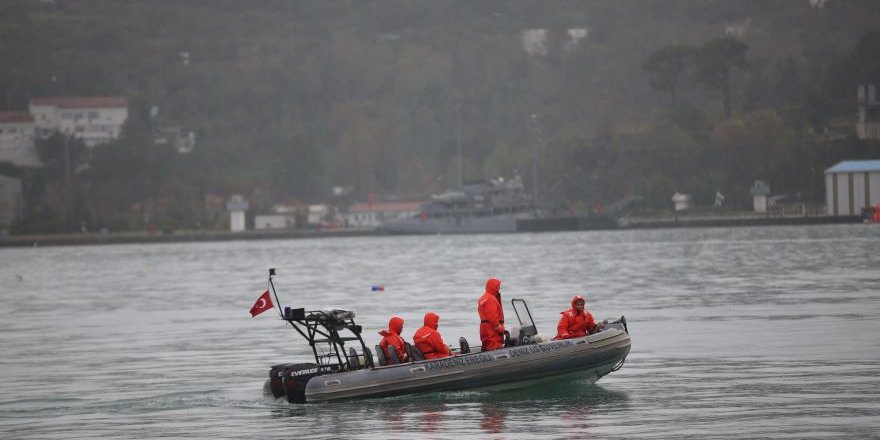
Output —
(587, 358)
(453, 225)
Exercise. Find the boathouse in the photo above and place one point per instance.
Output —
(852, 185)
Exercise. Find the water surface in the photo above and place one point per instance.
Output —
(737, 333)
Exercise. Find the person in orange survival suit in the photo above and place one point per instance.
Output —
(491, 316)
(392, 337)
(428, 340)
(576, 321)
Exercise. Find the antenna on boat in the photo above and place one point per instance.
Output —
(272, 286)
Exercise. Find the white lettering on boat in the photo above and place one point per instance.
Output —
(303, 372)
(480, 358)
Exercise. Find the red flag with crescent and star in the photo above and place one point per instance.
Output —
(264, 302)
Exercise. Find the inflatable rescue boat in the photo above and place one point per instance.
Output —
(345, 368)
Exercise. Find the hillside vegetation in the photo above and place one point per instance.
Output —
(292, 98)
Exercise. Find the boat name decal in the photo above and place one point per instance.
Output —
(460, 361)
(303, 372)
(533, 349)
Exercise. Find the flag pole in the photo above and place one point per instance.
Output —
(272, 286)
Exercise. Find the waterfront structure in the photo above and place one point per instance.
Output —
(94, 119)
(851, 186)
(17, 135)
(237, 206)
(372, 215)
(274, 221)
(760, 190)
(681, 201)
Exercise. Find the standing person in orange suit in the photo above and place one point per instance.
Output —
(491, 316)
(577, 321)
(391, 337)
(428, 340)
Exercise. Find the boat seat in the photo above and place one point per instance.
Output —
(464, 347)
(392, 354)
(380, 356)
(414, 353)
(368, 358)
(353, 359)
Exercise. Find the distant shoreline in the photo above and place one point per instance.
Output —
(73, 239)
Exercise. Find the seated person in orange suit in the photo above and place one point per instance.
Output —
(392, 337)
(428, 340)
(577, 321)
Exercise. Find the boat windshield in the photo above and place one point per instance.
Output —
(524, 315)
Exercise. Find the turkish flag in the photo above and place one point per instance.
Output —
(264, 302)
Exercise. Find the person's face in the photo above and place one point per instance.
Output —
(579, 305)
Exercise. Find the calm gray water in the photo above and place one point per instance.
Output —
(737, 333)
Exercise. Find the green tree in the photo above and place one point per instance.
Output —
(864, 59)
(666, 67)
(715, 61)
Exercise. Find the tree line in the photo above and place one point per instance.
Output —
(290, 99)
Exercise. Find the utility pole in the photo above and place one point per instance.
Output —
(66, 178)
(537, 129)
(458, 138)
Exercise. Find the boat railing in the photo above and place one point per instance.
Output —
(328, 331)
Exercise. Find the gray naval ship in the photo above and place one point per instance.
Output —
(527, 358)
(492, 206)
(480, 207)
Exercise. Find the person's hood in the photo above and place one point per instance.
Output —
(395, 326)
(577, 298)
(493, 286)
(431, 320)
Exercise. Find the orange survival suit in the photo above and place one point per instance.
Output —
(392, 337)
(428, 340)
(575, 322)
(491, 316)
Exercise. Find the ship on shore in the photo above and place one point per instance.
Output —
(497, 206)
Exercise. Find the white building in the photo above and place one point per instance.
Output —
(760, 190)
(681, 201)
(371, 215)
(237, 206)
(274, 221)
(95, 119)
(17, 135)
(852, 185)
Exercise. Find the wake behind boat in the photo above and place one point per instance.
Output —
(348, 372)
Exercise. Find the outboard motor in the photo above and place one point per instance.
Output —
(293, 381)
(275, 380)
